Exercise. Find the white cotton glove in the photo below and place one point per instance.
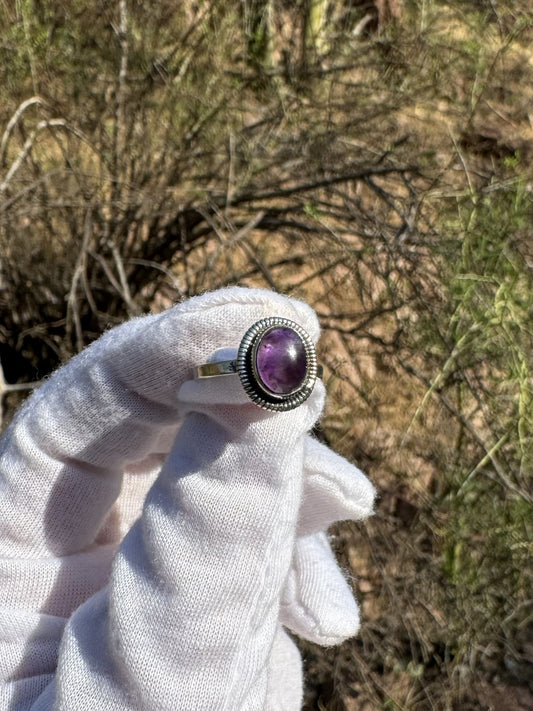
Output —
(186, 612)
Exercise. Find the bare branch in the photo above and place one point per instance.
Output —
(28, 145)
(125, 288)
(347, 177)
(13, 121)
(73, 312)
(120, 112)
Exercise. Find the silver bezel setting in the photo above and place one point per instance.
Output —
(250, 379)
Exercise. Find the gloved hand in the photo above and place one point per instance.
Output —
(158, 532)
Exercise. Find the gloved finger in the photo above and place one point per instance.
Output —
(193, 598)
(317, 603)
(334, 490)
(31, 580)
(284, 687)
(24, 671)
(63, 457)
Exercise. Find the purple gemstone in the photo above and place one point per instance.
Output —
(281, 360)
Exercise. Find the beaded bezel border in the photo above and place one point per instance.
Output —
(250, 379)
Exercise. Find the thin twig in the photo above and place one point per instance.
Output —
(120, 111)
(79, 271)
(125, 287)
(28, 145)
(107, 270)
(13, 121)
(322, 183)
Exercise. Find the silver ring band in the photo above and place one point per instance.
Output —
(229, 367)
(223, 367)
(276, 363)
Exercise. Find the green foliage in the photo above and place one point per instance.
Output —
(484, 375)
(492, 290)
(492, 512)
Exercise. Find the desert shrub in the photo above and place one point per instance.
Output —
(372, 160)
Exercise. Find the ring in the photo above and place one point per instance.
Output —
(276, 363)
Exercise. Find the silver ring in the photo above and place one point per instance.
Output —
(276, 363)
